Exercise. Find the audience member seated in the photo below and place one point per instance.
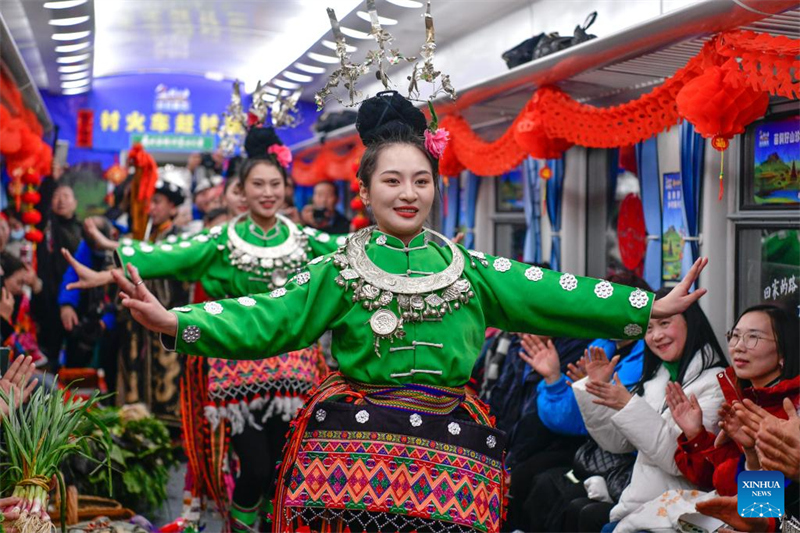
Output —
(763, 348)
(681, 349)
(19, 330)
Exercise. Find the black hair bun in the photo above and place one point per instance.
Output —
(259, 140)
(387, 114)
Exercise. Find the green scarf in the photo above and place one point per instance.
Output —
(672, 367)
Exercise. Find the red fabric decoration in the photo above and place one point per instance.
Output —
(359, 222)
(34, 235)
(631, 232)
(719, 105)
(531, 136)
(449, 165)
(357, 204)
(32, 217)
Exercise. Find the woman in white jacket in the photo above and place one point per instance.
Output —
(682, 349)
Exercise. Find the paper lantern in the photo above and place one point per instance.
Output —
(359, 222)
(31, 197)
(631, 232)
(31, 217)
(357, 204)
(719, 105)
(31, 178)
(34, 235)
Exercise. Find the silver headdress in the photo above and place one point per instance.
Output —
(349, 72)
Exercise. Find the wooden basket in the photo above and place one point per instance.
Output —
(80, 508)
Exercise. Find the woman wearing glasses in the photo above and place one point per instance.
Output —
(763, 348)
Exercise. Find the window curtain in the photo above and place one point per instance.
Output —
(647, 164)
(450, 208)
(555, 192)
(532, 252)
(466, 216)
(693, 148)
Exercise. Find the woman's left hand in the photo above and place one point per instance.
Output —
(679, 298)
(613, 395)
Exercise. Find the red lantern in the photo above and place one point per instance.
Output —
(720, 105)
(354, 186)
(34, 235)
(31, 178)
(31, 197)
(357, 204)
(632, 233)
(359, 222)
(31, 217)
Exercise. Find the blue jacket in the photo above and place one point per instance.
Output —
(72, 297)
(556, 403)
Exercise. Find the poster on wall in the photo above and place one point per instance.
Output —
(674, 228)
(510, 194)
(776, 163)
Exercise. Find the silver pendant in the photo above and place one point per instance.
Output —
(384, 323)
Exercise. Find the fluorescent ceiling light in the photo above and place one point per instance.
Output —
(272, 90)
(73, 36)
(72, 59)
(323, 58)
(64, 4)
(75, 84)
(355, 34)
(215, 76)
(294, 76)
(72, 21)
(79, 90)
(73, 68)
(75, 76)
(66, 48)
(332, 45)
(385, 21)
(269, 97)
(411, 4)
(308, 68)
(285, 84)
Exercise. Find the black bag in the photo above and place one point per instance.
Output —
(592, 460)
(522, 53)
(552, 42)
(616, 468)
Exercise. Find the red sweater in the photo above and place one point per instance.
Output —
(709, 467)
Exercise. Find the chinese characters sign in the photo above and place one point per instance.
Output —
(165, 113)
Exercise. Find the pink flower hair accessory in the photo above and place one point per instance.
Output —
(435, 143)
(282, 153)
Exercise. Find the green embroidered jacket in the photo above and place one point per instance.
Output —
(505, 294)
(205, 257)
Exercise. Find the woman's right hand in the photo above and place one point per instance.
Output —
(6, 305)
(87, 278)
(685, 411)
(145, 308)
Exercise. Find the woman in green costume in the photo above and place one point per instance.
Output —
(260, 250)
(393, 441)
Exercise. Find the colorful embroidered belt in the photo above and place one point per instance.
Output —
(390, 464)
(429, 399)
